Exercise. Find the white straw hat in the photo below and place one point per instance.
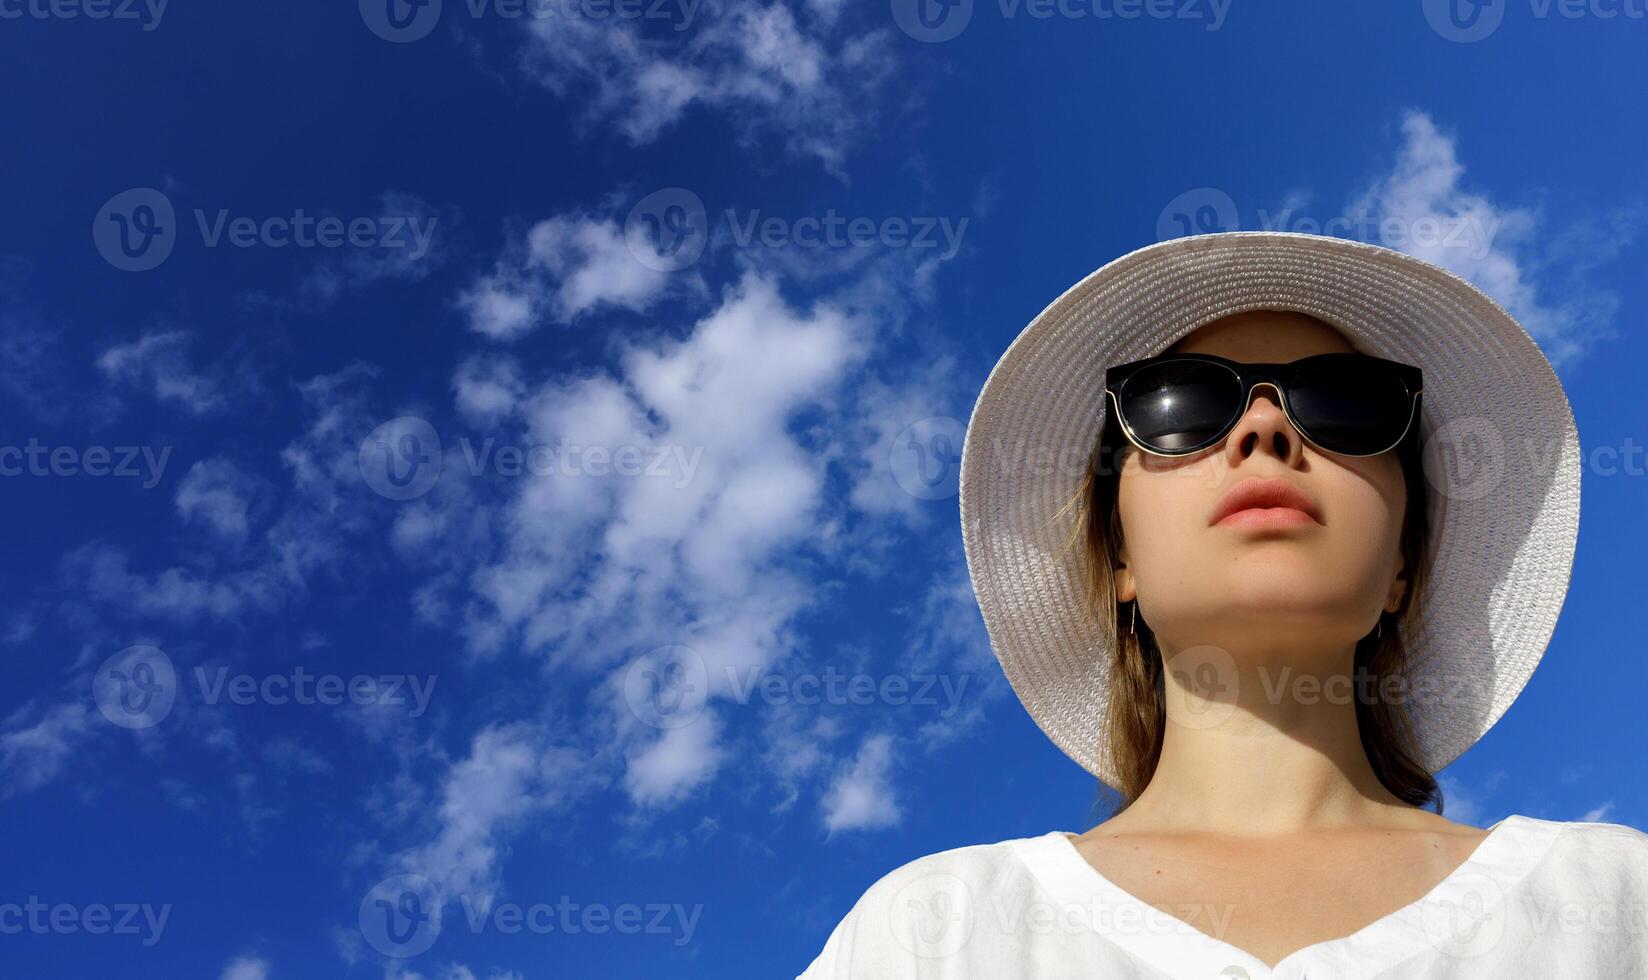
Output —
(1502, 459)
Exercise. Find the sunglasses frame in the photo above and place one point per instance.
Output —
(1279, 376)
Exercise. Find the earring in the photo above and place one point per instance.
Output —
(1133, 621)
(1379, 627)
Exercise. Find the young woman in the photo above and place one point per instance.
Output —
(1315, 538)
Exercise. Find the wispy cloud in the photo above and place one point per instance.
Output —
(415, 239)
(771, 66)
(32, 754)
(569, 266)
(1536, 272)
(245, 968)
(218, 495)
(511, 773)
(861, 797)
(159, 363)
(1598, 813)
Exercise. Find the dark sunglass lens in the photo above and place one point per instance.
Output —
(1175, 406)
(1351, 406)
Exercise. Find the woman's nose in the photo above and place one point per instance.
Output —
(1264, 427)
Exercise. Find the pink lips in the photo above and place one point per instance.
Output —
(1265, 503)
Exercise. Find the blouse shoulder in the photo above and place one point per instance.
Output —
(1617, 839)
(1603, 852)
(910, 913)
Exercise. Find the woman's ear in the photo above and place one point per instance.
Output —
(1399, 588)
(1126, 589)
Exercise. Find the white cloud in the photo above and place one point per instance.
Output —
(245, 968)
(632, 555)
(500, 306)
(666, 770)
(158, 362)
(861, 797)
(594, 267)
(768, 68)
(1598, 813)
(569, 266)
(326, 504)
(217, 494)
(510, 773)
(103, 572)
(1535, 275)
(407, 245)
(453, 971)
(32, 756)
(887, 412)
(697, 545)
(488, 388)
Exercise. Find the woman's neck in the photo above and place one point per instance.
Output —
(1275, 752)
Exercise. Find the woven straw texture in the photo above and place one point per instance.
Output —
(1502, 461)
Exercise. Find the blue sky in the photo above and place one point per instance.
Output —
(394, 393)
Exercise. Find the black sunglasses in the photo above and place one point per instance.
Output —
(1350, 404)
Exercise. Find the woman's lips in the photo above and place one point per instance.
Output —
(1265, 502)
(1267, 518)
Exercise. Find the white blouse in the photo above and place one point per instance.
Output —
(1537, 898)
